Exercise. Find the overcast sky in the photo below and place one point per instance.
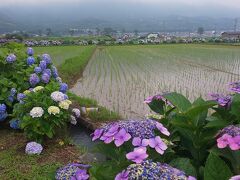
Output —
(214, 8)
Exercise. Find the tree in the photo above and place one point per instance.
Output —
(136, 32)
(49, 31)
(71, 32)
(200, 30)
(108, 31)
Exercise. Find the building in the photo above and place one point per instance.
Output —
(231, 35)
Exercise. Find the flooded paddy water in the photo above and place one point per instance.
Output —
(121, 77)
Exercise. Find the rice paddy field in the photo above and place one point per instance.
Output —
(121, 77)
(61, 53)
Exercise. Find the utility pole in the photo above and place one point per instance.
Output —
(235, 24)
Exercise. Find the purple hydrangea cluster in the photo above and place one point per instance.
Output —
(43, 65)
(30, 60)
(158, 97)
(142, 133)
(229, 136)
(3, 112)
(15, 124)
(45, 78)
(47, 58)
(222, 100)
(34, 79)
(73, 171)
(33, 148)
(20, 97)
(152, 170)
(235, 87)
(30, 51)
(11, 58)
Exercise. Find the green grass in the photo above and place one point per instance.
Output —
(72, 68)
(15, 164)
(60, 53)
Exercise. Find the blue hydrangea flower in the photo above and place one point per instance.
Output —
(45, 78)
(11, 58)
(43, 65)
(13, 91)
(154, 170)
(3, 108)
(30, 51)
(20, 97)
(54, 72)
(3, 116)
(70, 170)
(37, 70)
(63, 87)
(34, 79)
(30, 60)
(10, 98)
(47, 58)
(47, 71)
(15, 124)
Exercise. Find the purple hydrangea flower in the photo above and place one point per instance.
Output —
(235, 87)
(33, 148)
(15, 124)
(224, 101)
(30, 60)
(122, 175)
(43, 65)
(229, 136)
(45, 78)
(237, 177)
(81, 174)
(63, 87)
(11, 58)
(70, 171)
(37, 70)
(148, 169)
(158, 144)
(34, 79)
(30, 51)
(97, 134)
(47, 71)
(47, 58)
(54, 72)
(121, 137)
(10, 98)
(158, 97)
(138, 155)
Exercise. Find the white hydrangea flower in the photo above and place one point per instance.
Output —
(36, 112)
(73, 120)
(59, 79)
(57, 96)
(76, 112)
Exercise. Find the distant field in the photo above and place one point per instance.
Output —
(60, 53)
(120, 77)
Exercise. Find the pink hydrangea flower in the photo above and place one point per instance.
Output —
(223, 141)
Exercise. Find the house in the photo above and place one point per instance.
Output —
(231, 35)
(152, 36)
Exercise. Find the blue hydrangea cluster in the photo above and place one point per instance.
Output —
(137, 128)
(20, 97)
(3, 112)
(30, 51)
(155, 170)
(63, 87)
(15, 124)
(12, 95)
(30, 60)
(69, 171)
(11, 58)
